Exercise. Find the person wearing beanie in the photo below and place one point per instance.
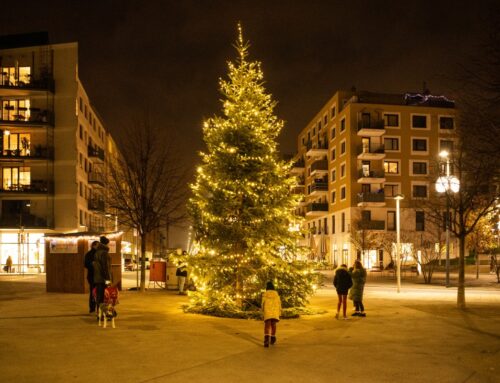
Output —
(271, 308)
(102, 269)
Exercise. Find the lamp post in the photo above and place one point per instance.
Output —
(445, 185)
(398, 198)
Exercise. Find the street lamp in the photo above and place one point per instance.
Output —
(445, 185)
(398, 198)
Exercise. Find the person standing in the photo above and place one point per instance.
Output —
(271, 308)
(342, 282)
(358, 276)
(8, 264)
(88, 263)
(102, 268)
(181, 274)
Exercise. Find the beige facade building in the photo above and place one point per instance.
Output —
(359, 152)
(52, 155)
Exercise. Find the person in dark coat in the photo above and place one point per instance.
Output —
(342, 282)
(358, 276)
(102, 269)
(88, 263)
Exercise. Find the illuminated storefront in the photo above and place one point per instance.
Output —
(27, 251)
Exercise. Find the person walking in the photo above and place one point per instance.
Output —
(88, 263)
(342, 282)
(102, 269)
(271, 308)
(181, 274)
(8, 264)
(358, 276)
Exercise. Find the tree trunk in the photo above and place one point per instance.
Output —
(461, 273)
(143, 262)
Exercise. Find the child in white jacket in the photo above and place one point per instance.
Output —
(271, 307)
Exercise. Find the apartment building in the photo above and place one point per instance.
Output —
(53, 149)
(357, 153)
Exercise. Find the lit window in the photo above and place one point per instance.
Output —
(391, 167)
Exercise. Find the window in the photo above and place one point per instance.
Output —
(334, 175)
(16, 110)
(81, 132)
(319, 125)
(342, 147)
(391, 190)
(419, 145)
(81, 189)
(14, 178)
(446, 123)
(17, 144)
(334, 154)
(366, 215)
(391, 167)
(333, 133)
(391, 143)
(314, 131)
(342, 193)
(334, 196)
(81, 105)
(419, 167)
(342, 170)
(342, 125)
(333, 224)
(325, 225)
(82, 218)
(419, 191)
(446, 145)
(342, 222)
(325, 119)
(391, 120)
(419, 122)
(391, 220)
(419, 221)
(333, 112)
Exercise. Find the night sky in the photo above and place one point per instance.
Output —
(167, 56)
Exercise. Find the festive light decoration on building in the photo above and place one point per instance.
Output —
(242, 206)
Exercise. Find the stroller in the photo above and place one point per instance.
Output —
(106, 310)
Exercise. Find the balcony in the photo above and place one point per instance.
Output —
(371, 128)
(15, 86)
(372, 152)
(38, 152)
(319, 188)
(36, 187)
(37, 117)
(28, 221)
(319, 149)
(371, 199)
(319, 167)
(96, 204)
(96, 152)
(96, 178)
(372, 225)
(316, 209)
(371, 176)
(298, 167)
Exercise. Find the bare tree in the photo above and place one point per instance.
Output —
(362, 236)
(148, 183)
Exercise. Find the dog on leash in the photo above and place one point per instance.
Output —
(106, 310)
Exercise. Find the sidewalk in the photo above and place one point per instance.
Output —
(415, 336)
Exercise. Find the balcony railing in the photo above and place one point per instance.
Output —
(371, 197)
(372, 225)
(96, 178)
(18, 117)
(319, 165)
(371, 174)
(318, 145)
(26, 220)
(375, 124)
(299, 163)
(45, 82)
(36, 186)
(372, 149)
(35, 152)
(317, 207)
(96, 152)
(96, 204)
(319, 186)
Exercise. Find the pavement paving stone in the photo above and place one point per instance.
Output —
(417, 335)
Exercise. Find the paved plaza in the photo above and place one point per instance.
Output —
(417, 335)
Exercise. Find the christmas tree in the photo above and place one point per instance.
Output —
(242, 206)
